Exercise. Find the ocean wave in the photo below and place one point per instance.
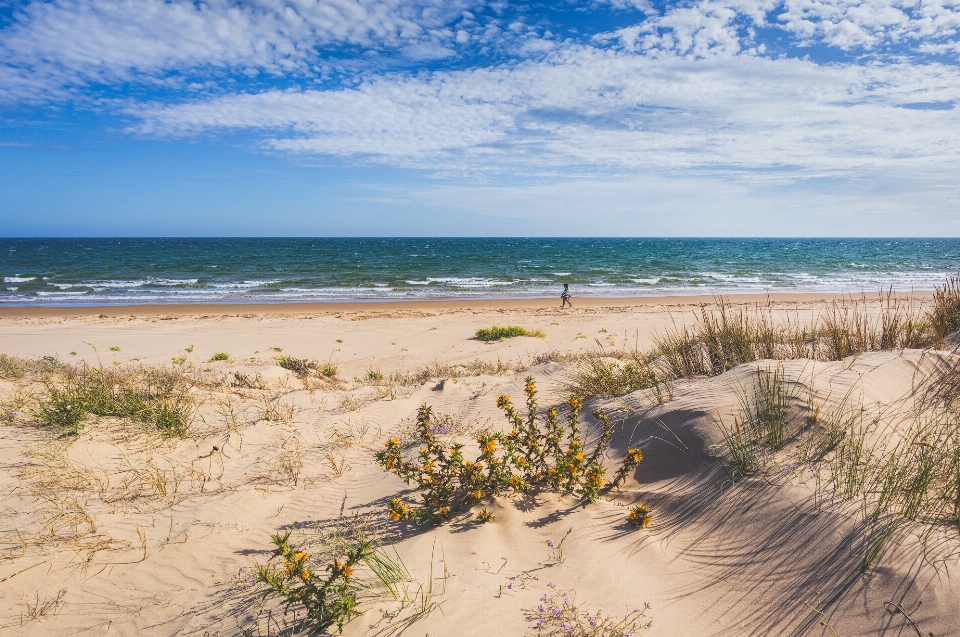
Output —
(18, 279)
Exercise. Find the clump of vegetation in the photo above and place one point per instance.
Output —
(328, 596)
(760, 426)
(155, 396)
(601, 375)
(16, 368)
(536, 455)
(639, 515)
(945, 314)
(326, 577)
(498, 333)
(558, 614)
(219, 356)
(328, 371)
(300, 366)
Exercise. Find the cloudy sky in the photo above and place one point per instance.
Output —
(461, 117)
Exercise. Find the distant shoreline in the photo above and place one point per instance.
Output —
(440, 305)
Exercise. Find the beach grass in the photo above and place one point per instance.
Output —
(159, 397)
(501, 332)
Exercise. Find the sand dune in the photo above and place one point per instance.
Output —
(118, 531)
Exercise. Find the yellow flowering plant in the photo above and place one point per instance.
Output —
(539, 453)
(639, 515)
(327, 593)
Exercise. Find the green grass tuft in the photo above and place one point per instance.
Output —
(220, 356)
(498, 333)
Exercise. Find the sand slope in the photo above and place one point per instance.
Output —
(138, 548)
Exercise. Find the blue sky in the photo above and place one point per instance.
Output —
(462, 117)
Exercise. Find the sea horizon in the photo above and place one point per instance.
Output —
(240, 270)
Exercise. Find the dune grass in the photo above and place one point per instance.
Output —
(720, 339)
(158, 397)
(500, 332)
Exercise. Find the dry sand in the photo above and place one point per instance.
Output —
(121, 533)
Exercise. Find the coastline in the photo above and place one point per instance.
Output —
(434, 305)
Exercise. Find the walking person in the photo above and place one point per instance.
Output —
(565, 296)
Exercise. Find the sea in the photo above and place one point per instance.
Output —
(288, 270)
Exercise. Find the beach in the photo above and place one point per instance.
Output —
(119, 529)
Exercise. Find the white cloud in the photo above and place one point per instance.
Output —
(591, 109)
(849, 24)
(69, 42)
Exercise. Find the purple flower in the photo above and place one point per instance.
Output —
(550, 543)
(510, 586)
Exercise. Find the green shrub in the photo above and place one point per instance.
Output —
(219, 356)
(498, 333)
(299, 366)
(536, 455)
(328, 596)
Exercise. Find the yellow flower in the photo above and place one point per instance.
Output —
(574, 404)
(393, 442)
(288, 567)
(491, 446)
(305, 574)
(503, 402)
(521, 461)
(301, 556)
(394, 516)
(478, 494)
(514, 480)
(347, 571)
(443, 510)
(579, 456)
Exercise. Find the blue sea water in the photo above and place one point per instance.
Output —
(131, 271)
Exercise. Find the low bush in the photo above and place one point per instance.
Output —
(219, 356)
(538, 454)
(498, 333)
(328, 596)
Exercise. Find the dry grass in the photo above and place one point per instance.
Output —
(273, 409)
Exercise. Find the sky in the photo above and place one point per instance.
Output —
(478, 118)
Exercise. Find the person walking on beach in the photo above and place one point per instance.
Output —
(565, 296)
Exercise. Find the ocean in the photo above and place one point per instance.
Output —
(134, 271)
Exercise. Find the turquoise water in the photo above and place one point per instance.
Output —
(127, 271)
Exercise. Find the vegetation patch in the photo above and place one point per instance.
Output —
(498, 332)
(156, 396)
(538, 454)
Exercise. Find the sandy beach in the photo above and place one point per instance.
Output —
(119, 530)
